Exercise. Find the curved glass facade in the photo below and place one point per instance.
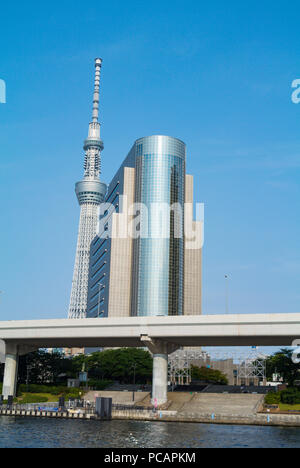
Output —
(158, 260)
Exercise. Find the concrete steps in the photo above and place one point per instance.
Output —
(120, 398)
(178, 400)
(242, 405)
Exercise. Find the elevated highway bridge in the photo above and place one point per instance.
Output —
(161, 335)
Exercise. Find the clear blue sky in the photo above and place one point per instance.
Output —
(215, 74)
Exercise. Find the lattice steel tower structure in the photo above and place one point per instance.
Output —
(90, 193)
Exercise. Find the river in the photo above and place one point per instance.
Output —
(32, 432)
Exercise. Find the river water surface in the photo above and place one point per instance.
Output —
(32, 432)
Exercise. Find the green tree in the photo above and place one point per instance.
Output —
(281, 363)
(208, 375)
(121, 364)
(77, 363)
(41, 367)
(117, 364)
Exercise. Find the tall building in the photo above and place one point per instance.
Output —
(90, 193)
(142, 263)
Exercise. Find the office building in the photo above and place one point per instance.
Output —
(141, 262)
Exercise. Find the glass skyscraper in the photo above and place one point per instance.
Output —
(147, 274)
(158, 257)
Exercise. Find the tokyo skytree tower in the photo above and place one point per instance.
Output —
(90, 193)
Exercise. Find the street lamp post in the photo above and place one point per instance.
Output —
(227, 294)
(28, 369)
(134, 368)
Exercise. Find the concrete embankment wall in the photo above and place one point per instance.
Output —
(240, 409)
(172, 416)
(44, 414)
(254, 420)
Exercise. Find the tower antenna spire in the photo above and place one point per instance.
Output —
(90, 194)
(98, 63)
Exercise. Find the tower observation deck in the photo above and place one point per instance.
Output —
(90, 194)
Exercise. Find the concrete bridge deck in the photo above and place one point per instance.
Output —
(193, 330)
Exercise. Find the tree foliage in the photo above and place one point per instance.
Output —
(291, 396)
(281, 363)
(208, 375)
(273, 398)
(122, 364)
(41, 367)
(117, 364)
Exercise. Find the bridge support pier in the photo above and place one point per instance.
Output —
(160, 379)
(10, 370)
(160, 350)
(12, 353)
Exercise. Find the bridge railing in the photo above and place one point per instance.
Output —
(80, 406)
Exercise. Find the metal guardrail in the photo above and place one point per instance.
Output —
(71, 405)
(51, 406)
